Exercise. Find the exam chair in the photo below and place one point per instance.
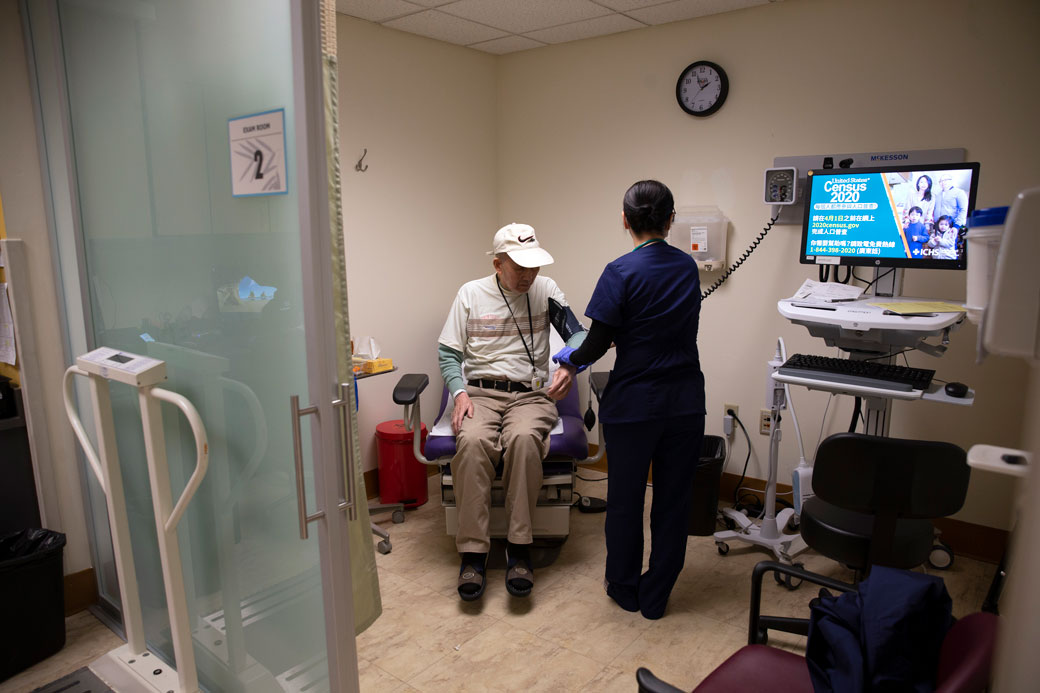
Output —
(568, 447)
(965, 665)
(875, 501)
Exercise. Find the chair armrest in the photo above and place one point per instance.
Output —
(598, 382)
(648, 683)
(760, 570)
(409, 387)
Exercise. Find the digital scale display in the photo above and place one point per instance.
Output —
(123, 366)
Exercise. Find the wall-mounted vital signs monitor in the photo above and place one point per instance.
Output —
(892, 216)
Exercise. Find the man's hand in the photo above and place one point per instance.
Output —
(463, 408)
(562, 381)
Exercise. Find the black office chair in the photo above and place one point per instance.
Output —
(875, 499)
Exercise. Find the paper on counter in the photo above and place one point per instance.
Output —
(812, 290)
(7, 350)
(920, 306)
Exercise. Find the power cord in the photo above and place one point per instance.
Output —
(874, 281)
(747, 459)
(755, 507)
(856, 415)
(823, 425)
(891, 353)
(740, 261)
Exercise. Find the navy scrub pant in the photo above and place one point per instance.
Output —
(674, 445)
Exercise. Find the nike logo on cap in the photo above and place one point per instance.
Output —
(525, 240)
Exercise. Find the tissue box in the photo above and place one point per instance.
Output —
(371, 366)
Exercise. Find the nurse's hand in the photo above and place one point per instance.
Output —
(463, 408)
(562, 381)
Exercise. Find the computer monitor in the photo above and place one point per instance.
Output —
(890, 216)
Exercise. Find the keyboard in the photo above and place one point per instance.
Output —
(862, 373)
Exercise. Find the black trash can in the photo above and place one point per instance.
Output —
(8, 407)
(32, 599)
(704, 505)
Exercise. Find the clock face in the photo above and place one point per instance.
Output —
(702, 88)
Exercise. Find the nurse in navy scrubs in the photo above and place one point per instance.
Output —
(647, 302)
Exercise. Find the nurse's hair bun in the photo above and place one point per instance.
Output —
(648, 206)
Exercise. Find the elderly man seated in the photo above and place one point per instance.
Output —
(497, 333)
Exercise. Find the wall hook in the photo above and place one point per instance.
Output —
(358, 166)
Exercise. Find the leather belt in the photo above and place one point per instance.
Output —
(503, 385)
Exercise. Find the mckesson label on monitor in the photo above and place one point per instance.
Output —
(123, 366)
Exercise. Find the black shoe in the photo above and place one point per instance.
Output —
(519, 574)
(472, 579)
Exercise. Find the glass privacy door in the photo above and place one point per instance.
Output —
(227, 289)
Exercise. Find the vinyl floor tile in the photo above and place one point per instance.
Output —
(505, 658)
(568, 636)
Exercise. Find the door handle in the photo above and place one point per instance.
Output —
(301, 494)
(349, 480)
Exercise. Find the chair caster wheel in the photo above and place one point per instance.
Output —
(722, 547)
(794, 523)
(384, 547)
(729, 523)
(791, 582)
(941, 556)
(397, 517)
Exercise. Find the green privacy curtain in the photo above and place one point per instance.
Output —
(365, 580)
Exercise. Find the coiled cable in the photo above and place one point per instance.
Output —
(740, 261)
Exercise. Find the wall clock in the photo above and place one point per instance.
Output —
(702, 88)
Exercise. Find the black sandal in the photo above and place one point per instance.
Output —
(519, 576)
(472, 578)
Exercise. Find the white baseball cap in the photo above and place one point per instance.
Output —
(521, 245)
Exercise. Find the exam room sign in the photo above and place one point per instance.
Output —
(257, 145)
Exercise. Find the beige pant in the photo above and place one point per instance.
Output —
(511, 427)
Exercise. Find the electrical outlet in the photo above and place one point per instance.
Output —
(725, 413)
(765, 422)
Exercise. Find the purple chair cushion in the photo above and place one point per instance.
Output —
(966, 658)
(759, 668)
(571, 443)
(965, 663)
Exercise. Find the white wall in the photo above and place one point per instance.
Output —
(21, 187)
(577, 123)
(1018, 667)
(420, 219)
(580, 122)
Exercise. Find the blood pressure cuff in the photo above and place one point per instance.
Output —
(563, 320)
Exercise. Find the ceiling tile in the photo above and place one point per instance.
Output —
(376, 10)
(444, 27)
(688, 9)
(509, 44)
(529, 15)
(626, 5)
(600, 26)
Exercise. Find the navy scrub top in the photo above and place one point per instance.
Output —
(652, 298)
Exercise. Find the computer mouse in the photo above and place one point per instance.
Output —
(956, 389)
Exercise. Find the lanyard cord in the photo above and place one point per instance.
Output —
(530, 323)
(644, 243)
